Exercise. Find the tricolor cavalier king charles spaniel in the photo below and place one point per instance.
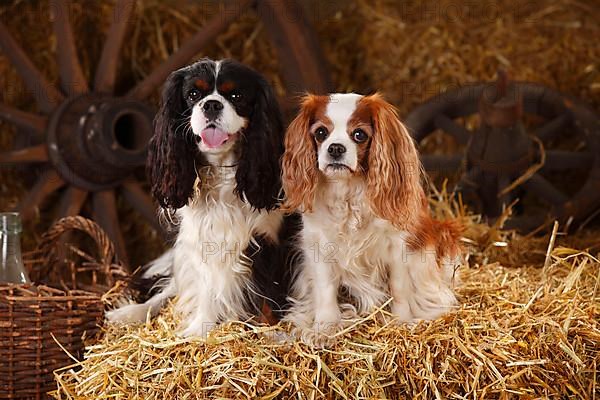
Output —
(352, 169)
(214, 163)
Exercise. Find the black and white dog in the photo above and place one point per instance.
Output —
(214, 164)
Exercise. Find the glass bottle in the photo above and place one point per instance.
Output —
(12, 269)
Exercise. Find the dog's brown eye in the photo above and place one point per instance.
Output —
(235, 96)
(359, 136)
(321, 134)
(193, 95)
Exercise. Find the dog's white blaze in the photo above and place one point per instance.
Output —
(339, 110)
(341, 106)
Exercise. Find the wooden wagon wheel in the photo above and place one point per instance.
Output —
(502, 161)
(90, 140)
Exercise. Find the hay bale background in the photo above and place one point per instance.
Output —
(527, 327)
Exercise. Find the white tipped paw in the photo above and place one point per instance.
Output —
(197, 329)
(129, 314)
(422, 307)
(321, 334)
(402, 312)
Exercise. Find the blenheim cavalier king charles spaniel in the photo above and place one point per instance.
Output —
(214, 165)
(351, 168)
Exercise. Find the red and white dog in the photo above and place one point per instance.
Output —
(351, 168)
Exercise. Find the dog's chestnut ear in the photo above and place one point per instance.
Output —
(300, 157)
(394, 169)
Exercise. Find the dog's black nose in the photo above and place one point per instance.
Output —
(212, 109)
(336, 150)
(213, 105)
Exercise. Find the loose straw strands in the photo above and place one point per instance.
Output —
(522, 330)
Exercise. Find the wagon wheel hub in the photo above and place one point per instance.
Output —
(501, 144)
(95, 140)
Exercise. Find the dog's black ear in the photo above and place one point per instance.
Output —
(171, 151)
(258, 177)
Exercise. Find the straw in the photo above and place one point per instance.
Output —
(521, 330)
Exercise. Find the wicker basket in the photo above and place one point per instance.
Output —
(65, 309)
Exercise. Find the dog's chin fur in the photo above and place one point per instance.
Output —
(337, 170)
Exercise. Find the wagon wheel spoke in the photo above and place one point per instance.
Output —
(72, 80)
(552, 129)
(557, 160)
(46, 184)
(204, 36)
(302, 63)
(442, 162)
(71, 202)
(23, 119)
(137, 197)
(46, 95)
(545, 190)
(460, 133)
(106, 74)
(34, 154)
(105, 213)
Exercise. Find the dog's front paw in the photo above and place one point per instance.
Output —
(320, 335)
(128, 314)
(322, 332)
(197, 329)
(401, 310)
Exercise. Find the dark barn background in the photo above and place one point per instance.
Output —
(408, 50)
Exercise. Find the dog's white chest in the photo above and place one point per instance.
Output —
(352, 241)
(217, 224)
(209, 254)
(344, 209)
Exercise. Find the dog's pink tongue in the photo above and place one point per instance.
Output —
(213, 137)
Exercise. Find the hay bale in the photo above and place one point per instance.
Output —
(528, 328)
(409, 50)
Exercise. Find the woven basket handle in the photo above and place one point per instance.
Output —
(110, 264)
